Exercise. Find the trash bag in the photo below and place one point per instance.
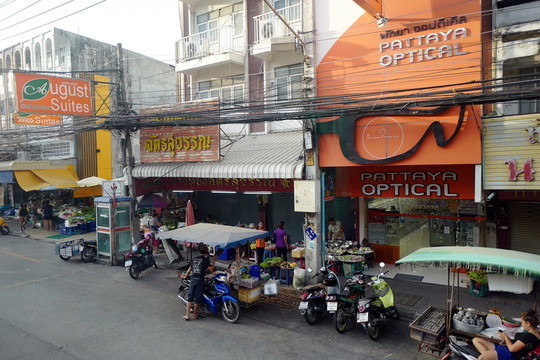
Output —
(299, 279)
(271, 287)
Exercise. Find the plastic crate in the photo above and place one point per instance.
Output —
(83, 228)
(227, 254)
(249, 283)
(477, 292)
(62, 229)
(91, 225)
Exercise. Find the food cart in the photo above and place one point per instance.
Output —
(433, 326)
(222, 237)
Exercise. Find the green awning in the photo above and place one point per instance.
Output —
(499, 261)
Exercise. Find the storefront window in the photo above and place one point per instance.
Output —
(411, 224)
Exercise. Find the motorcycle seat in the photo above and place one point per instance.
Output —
(313, 287)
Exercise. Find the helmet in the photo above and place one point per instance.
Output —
(148, 235)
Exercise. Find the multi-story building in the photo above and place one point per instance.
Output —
(60, 141)
(249, 56)
(512, 140)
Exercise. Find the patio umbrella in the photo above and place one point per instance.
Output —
(152, 201)
(90, 181)
(190, 214)
(220, 236)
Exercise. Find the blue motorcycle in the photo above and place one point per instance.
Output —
(217, 298)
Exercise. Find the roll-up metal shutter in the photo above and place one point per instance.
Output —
(282, 209)
(525, 227)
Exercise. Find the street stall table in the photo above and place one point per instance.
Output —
(495, 261)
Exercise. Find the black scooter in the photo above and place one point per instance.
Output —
(460, 349)
(89, 250)
(139, 259)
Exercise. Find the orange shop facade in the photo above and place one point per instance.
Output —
(411, 172)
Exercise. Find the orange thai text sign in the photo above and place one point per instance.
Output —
(442, 182)
(36, 119)
(39, 94)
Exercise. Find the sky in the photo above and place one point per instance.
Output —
(149, 27)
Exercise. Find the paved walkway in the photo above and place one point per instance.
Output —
(412, 297)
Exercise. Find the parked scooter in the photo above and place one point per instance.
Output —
(313, 304)
(4, 228)
(140, 258)
(345, 305)
(217, 298)
(89, 250)
(376, 310)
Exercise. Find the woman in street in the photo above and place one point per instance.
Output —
(23, 216)
(260, 244)
(281, 241)
(47, 211)
(523, 343)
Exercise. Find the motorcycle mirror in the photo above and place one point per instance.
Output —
(330, 257)
(309, 269)
(382, 264)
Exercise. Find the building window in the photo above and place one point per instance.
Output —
(533, 105)
(56, 150)
(288, 82)
(211, 20)
(230, 91)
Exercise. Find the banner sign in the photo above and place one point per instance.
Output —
(36, 119)
(39, 94)
(440, 182)
(147, 185)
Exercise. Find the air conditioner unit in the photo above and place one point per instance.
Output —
(267, 30)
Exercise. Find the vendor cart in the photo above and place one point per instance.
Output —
(433, 326)
(66, 249)
(222, 237)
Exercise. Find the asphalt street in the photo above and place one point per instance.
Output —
(54, 309)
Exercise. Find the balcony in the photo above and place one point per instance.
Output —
(271, 34)
(209, 49)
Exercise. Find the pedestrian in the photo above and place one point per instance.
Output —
(335, 230)
(47, 211)
(260, 243)
(523, 342)
(370, 258)
(23, 215)
(281, 241)
(34, 213)
(198, 267)
(154, 225)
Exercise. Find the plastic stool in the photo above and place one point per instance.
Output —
(288, 279)
(267, 254)
(300, 262)
(71, 230)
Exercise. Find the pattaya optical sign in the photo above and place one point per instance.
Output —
(38, 94)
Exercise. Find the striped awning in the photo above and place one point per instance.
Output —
(268, 156)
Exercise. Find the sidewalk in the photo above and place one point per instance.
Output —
(412, 293)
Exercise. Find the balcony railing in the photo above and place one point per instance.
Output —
(211, 42)
(268, 25)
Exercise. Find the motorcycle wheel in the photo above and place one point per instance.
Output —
(395, 313)
(64, 257)
(5, 229)
(311, 316)
(372, 329)
(87, 254)
(230, 311)
(134, 272)
(340, 320)
(184, 294)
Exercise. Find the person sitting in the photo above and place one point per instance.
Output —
(370, 258)
(523, 343)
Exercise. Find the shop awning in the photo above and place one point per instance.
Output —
(268, 156)
(60, 178)
(29, 181)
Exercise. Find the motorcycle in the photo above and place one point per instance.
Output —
(4, 228)
(217, 298)
(344, 306)
(140, 258)
(375, 311)
(89, 250)
(313, 303)
(460, 349)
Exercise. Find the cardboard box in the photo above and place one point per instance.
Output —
(249, 295)
(298, 252)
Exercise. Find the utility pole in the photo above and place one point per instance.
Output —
(128, 161)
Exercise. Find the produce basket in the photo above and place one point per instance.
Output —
(429, 326)
(249, 283)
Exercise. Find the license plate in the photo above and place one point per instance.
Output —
(331, 306)
(362, 317)
(128, 263)
(303, 305)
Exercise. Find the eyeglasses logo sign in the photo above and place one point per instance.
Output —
(383, 137)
